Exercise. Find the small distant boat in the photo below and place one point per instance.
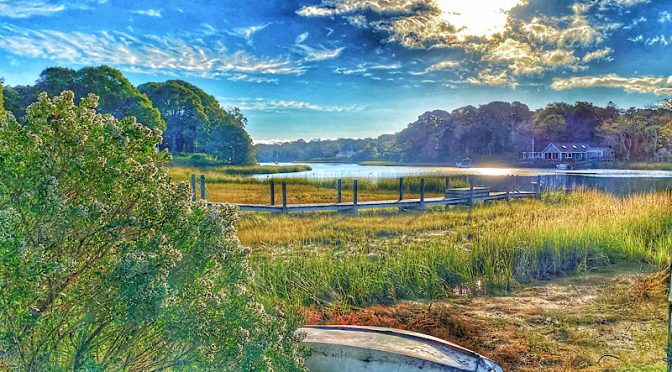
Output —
(376, 349)
(465, 163)
(564, 166)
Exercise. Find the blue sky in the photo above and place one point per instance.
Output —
(355, 68)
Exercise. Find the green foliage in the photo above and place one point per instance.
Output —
(2, 100)
(196, 122)
(105, 263)
(117, 96)
(499, 131)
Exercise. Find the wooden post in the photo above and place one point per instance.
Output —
(340, 190)
(202, 187)
(471, 190)
(508, 189)
(284, 197)
(401, 188)
(539, 186)
(445, 193)
(272, 192)
(422, 194)
(193, 187)
(354, 196)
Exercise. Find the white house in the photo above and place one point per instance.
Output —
(555, 151)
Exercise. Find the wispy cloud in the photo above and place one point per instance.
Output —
(313, 54)
(364, 68)
(252, 79)
(28, 8)
(148, 12)
(658, 85)
(188, 55)
(600, 54)
(31, 8)
(280, 105)
(247, 33)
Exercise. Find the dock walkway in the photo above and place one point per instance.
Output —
(453, 196)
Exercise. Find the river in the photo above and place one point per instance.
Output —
(615, 181)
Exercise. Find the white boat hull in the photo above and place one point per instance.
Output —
(351, 348)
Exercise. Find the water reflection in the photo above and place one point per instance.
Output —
(616, 181)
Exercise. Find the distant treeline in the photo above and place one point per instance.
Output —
(191, 120)
(500, 131)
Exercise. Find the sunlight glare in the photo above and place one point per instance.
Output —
(482, 18)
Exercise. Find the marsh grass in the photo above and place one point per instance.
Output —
(383, 257)
(225, 184)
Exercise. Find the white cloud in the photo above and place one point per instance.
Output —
(278, 105)
(32, 8)
(364, 68)
(29, 8)
(492, 78)
(312, 54)
(597, 55)
(603, 4)
(443, 65)
(658, 85)
(252, 79)
(189, 55)
(148, 12)
(665, 17)
(339, 7)
(247, 33)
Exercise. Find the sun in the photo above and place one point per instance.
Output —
(481, 18)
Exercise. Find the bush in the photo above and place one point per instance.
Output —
(105, 264)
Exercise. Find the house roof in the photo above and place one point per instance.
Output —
(569, 146)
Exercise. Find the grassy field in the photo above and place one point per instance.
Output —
(555, 283)
(383, 257)
(480, 277)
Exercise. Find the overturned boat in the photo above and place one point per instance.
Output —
(354, 348)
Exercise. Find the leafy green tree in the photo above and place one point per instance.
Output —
(2, 100)
(117, 95)
(106, 264)
(18, 98)
(183, 112)
(197, 122)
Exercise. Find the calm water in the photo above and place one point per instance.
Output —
(616, 181)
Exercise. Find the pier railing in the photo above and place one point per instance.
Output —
(451, 196)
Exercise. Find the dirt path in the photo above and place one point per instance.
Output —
(614, 318)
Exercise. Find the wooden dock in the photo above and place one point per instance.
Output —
(409, 204)
(452, 196)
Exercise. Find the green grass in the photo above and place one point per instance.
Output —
(382, 257)
(642, 166)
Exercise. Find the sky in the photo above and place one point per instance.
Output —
(355, 68)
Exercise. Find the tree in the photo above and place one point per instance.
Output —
(183, 112)
(106, 264)
(2, 100)
(117, 96)
(197, 122)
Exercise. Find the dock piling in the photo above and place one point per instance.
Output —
(272, 192)
(339, 184)
(354, 196)
(471, 190)
(202, 187)
(422, 194)
(284, 197)
(401, 188)
(509, 183)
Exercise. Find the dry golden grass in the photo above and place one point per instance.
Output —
(609, 319)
